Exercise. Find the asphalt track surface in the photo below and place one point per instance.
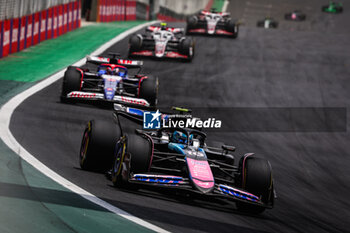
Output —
(303, 64)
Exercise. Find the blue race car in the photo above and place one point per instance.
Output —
(111, 83)
(174, 158)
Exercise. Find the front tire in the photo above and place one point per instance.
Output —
(257, 179)
(186, 47)
(97, 146)
(191, 23)
(135, 43)
(232, 26)
(149, 90)
(135, 153)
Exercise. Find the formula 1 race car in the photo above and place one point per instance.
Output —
(212, 23)
(174, 158)
(162, 42)
(110, 83)
(295, 16)
(268, 22)
(333, 7)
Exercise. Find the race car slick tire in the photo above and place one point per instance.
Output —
(116, 173)
(185, 47)
(149, 90)
(71, 82)
(233, 27)
(98, 144)
(192, 22)
(135, 43)
(140, 150)
(257, 179)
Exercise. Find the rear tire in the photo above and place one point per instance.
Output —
(71, 82)
(98, 145)
(149, 90)
(257, 180)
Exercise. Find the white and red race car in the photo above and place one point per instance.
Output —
(162, 42)
(212, 23)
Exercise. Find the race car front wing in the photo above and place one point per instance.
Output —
(80, 95)
(220, 190)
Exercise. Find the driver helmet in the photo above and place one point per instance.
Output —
(180, 137)
(163, 26)
(109, 70)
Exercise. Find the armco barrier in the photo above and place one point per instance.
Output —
(20, 33)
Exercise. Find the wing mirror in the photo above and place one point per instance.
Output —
(228, 148)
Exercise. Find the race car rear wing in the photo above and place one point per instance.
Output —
(169, 29)
(223, 14)
(125, 62)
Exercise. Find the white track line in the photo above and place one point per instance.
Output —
(224, 7)
(7, 110)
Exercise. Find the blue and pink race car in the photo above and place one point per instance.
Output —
(176, 158)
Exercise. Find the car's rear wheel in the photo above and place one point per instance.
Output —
(257, 179)
(71, 82)
(98, 145)
(149, 90)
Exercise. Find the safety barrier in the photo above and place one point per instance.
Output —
(116, 10)
(20, 33)
(168, 10)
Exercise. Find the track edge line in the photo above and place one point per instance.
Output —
(9, 107)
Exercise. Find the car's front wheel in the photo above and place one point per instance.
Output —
(149, 90)
(256, 178)
(186, 47)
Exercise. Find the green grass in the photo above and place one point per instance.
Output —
(218, 4)
(48, 57)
